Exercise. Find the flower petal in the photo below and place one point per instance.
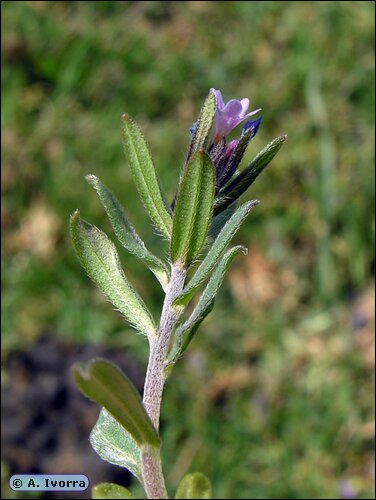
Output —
(233, 108)
(220, 103)
(230, 147)
(245, 105)
(252, 113)
(229, 115)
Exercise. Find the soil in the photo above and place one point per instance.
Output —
(46, 421)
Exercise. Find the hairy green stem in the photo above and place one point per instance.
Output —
(154, 383)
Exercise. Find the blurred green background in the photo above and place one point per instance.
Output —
(275, 397)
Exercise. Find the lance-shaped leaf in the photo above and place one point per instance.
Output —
(185, 332)
(215, 252)
(201, 131)
(104, 491)
(203, 126)
(126, 233)
(219, 221)
(193, 210)
(144, 175)
(115, 445)
(241, 183)
(105, 383)
(195, 485)
(100, 260)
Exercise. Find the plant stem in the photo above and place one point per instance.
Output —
(155, 378)
(152, 473)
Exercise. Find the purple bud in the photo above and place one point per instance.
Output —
(252, 125)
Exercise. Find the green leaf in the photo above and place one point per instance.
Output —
(105, 383)
(195, 485)
(215, 281)
(100, 260)
(193, 210)
(215, 252)
(202, 132)
(241, 182)
(126, 233)
(184, 335)
(104, 491)
(204, 125)
(186, 331)
(115, 445)
(218, 222)
(144, 175)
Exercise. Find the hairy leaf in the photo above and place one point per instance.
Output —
(193, 210)
(144, 175)
(204, 125)
(215, 252)
(126, 233)
(115, 445)
(184, 335)
(100, 260)
(195, 485)
(104, 491)
(246, 177)
(185, 332)
(219, 221)
(106, 384)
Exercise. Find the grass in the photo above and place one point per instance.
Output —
(273, 399)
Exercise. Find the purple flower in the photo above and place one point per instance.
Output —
(230, 115)
(226, 156)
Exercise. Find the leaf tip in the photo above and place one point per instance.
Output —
(80, 371)
(125, 117)
(76, 216)
(194, 485)
(244, 250)
(213, 95)
(252, 203)
(202, 154)
(87, 370)
(110, 490)
(92, 179)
